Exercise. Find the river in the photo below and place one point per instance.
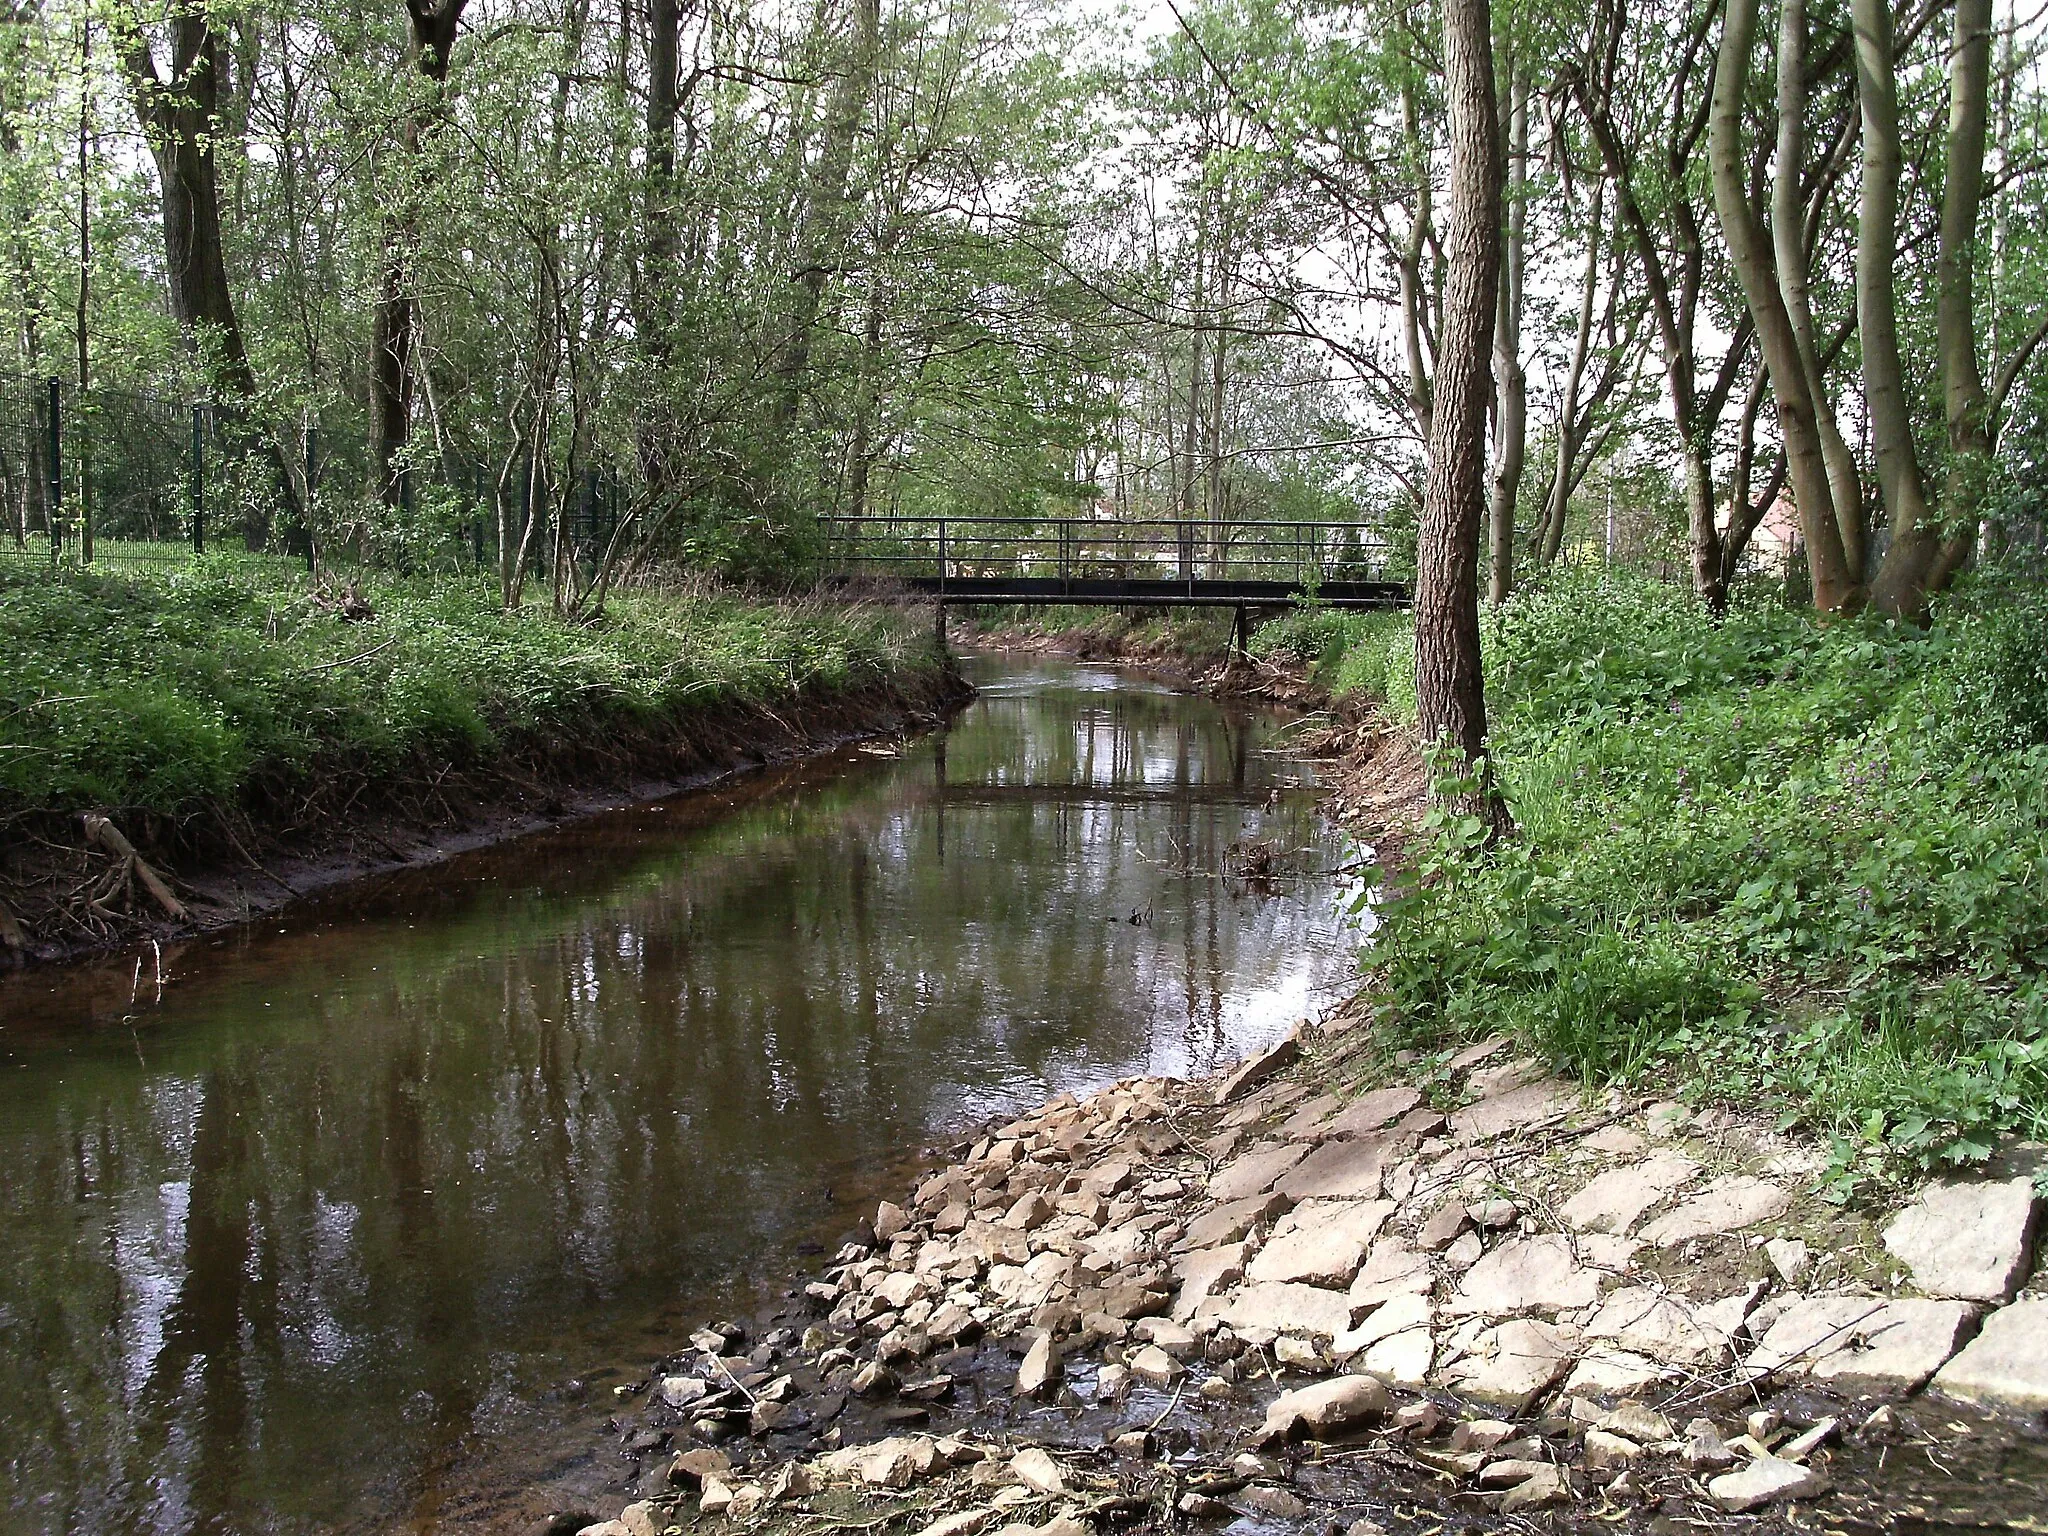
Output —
(352, 1219)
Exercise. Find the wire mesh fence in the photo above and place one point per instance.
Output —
(106, 477)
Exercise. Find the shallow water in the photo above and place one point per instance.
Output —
(354, 1225)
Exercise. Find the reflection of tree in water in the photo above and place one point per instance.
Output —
(615, 1068)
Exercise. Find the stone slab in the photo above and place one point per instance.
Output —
(1519, 1109)
(1256, 1171)
(1394, 1267)
(1532, 1274)
(1285, 1308)
(1863, 1343)
(1615, 1200)
(1322, 1242)
(2006, 1365)
(1968, 1238)
(1726, 1205)
(1513, 1364)
(1343, 1170)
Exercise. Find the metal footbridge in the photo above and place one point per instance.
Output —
(1120, 563)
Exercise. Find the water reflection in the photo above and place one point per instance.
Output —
(336, 1234)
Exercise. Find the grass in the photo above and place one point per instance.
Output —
(222, 680)
(1194, 637)
(1780, 862)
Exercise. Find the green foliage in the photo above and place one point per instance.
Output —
(1785, 863)
(226, 680)
(1367, 655)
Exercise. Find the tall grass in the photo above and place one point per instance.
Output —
(165, 691)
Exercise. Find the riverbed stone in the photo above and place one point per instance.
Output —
(896, 1462)
(1534, 1274)
(2006, 1365)
(1615, 1200)
(1041, 1367)
(1668, 1328)
(1513, 1364)
(1204, 1272)
(1306, 1121)
(1519, 1109)
(1767, 1480)
(1607, 1372)
(1255, 1172)
(1343, 1170)
(1394, 1267)
(1401, 1360)
(1396, 1316)
(1862, 1343)
(1726, 1205)
(1968, 1238)
(1322, 1242)
(1328, 1408)
(1373, 1111)
(1283, 1307)
(1256, 1069)
(1155, 1365)
(1230, 1221)
(1545, 1485)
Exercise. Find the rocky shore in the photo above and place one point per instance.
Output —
(1313, 1298)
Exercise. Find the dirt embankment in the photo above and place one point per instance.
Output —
(72, 887)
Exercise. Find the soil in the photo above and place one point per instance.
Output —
(75, 899)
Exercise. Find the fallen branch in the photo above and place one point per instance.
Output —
(99, 829)
(10, 929)
(349, 661)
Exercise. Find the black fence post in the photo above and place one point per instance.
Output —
(198, 479)
(312, 489)
(56, 466)
(476, 519)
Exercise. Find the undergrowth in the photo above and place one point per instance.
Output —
(1784, 862)
(166, 691)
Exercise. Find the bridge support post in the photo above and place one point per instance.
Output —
(939, 625)
(1243, 635)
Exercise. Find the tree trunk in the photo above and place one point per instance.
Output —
(1788, 242)
(394, 323)
(657, 278)
(1511, 414)
(827, 213)
(1558, 502)
(1749, 249)
(1449, 688)
(1920, 558)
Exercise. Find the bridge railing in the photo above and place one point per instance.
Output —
(1081, 549)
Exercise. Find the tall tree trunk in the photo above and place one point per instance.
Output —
(1918, 559)
(1449, 689)
(828, 213)
(1788, 244)
(181, 118)
(1749, 249)
(656, 280)
(1511, 412)
(394, 324)
(1557, 503)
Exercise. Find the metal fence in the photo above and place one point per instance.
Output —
(111, 477)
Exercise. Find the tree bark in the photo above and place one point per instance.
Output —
(1511, 413)
(1920, 558)
(1789, 247)
(1449, 688)
(394, 324)
(827, 211)
(1749, 249)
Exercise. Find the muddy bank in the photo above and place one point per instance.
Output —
(74, 888)
(1333, 1293)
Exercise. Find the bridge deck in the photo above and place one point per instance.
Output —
(1116, 562)
(1144, 592)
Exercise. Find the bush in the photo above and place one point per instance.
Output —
(1784, 861)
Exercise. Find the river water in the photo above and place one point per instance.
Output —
(353, 1221)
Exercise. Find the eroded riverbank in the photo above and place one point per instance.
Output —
(357, 1224)
(1305, 1297)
